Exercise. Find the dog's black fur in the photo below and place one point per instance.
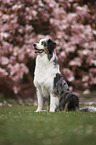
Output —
(50, 46)
(66, 96)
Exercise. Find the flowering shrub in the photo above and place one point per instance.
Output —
(70, 23)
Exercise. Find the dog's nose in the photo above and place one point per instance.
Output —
(34, 45)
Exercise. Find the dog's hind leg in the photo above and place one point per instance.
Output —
(66, 106)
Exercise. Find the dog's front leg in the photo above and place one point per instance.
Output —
(54, 102)
(40, 101)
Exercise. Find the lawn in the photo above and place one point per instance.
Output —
(20, 125)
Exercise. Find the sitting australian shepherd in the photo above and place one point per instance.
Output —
(50, 83)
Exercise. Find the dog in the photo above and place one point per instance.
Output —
(50, 83)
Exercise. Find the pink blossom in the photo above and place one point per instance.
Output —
(68, 74)
(71, 24)
(3, 72)
(4, 60)
(76, 62)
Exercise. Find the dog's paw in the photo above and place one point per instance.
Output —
(52, 109)
(38, 110)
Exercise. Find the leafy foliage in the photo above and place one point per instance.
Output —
(71, 23)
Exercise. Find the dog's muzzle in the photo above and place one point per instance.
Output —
(38, 50)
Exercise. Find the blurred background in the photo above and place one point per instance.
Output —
(70, 23)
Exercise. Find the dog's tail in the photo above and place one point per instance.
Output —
(69, 101)
(88, 109)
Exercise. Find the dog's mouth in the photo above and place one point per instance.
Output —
(38, 50)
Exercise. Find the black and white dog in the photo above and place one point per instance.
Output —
(49, 81)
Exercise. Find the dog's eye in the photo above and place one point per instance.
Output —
(43, 43)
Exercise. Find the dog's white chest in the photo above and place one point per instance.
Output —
(44, 72)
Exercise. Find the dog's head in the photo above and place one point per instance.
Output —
(45, 46)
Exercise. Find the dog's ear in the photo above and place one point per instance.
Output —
(50, 46)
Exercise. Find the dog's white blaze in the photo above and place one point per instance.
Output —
(39, 45)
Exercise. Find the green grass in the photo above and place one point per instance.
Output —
(20, 125)
(90, 95)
